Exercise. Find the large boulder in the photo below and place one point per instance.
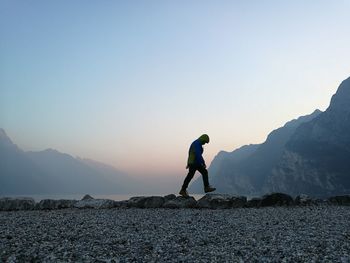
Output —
(340, 200)
(154, 202)
(137, 202)
(87, 197)
(304, 200)
(95, 203)
(253, 203)
(276, 199)
(169, 197)
(222, 201)
(121, 204)
(50, 204)
(9, 204)
(181, 202)
(146, 202)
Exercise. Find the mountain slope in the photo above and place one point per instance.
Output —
(18, 173)
(246, 173)
(52, 172)
(72, 175)
(317, 157)
(310, 155)
(220, 164)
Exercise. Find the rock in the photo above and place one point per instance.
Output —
(8, 204)
(146, 201)
(87, 197)
(95, 203)
(215, 201)
(49, 204)
(181, 202)
(154, 202)
(137, 201)
(322, 201)
(276, 199)
(121, 204)
(304, 200)
(340, 200)
(254, 202)
(169, 197)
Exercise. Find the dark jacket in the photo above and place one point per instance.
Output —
(195, 152)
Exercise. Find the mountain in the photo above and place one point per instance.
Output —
(52, 172)
(223, 162)
(17, 172)
(74, 175)
(316, 159)
(245, 170)
(309, 155)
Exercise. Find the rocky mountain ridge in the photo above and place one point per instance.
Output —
(316, 159)
(309, 155)
(52, 172)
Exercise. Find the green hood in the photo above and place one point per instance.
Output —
(204, 138)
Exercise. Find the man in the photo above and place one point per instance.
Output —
(196, 163)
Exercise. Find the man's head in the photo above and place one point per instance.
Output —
(204, 138)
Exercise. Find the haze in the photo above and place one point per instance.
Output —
(133, 83)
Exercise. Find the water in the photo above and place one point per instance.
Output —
(116, 197)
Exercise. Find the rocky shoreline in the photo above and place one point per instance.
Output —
(212, 201)
(268, 234)
(216, 228)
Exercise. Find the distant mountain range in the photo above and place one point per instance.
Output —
(309, 155)
(52, 172)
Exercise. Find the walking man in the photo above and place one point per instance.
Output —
(196, 163)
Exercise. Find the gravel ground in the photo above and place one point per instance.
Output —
(310, 234)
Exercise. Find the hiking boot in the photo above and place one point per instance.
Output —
(183, 193)
(208, 189)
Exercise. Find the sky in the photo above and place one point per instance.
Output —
(133, 83)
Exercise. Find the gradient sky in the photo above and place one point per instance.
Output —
(133, 83)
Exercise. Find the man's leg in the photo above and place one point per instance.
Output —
(191, 172)
(204, 173)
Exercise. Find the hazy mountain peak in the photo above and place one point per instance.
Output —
(310, 155)
(53, 154)
(341, 99)
(305, 118)
(317, 111)
(50, 150)
(3, 134)
(5, 141)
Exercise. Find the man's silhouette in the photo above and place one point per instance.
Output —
(195, 163)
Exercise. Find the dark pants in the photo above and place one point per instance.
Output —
(191, 171)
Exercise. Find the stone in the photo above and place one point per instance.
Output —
(221, 201)
(276, 199)
(154, 202)
(95, 203)
(121, 204)
(181, 202)
(87, 197)
(9, 204)
(50, 204)
(146, 201)
(304, 200)
(340, 200)
(169, 197)
(253, 203)
(137, 201)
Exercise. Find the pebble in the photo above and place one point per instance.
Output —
(272, 234)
